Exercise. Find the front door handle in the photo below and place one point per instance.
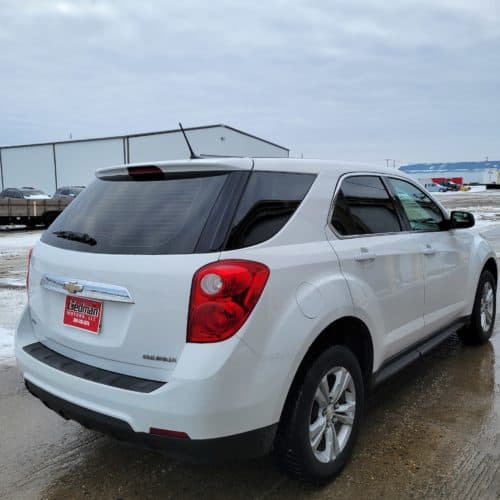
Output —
(428, 250)
(365, 256)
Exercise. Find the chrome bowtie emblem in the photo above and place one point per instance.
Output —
(73, 287)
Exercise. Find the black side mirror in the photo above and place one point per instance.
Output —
(461, 220)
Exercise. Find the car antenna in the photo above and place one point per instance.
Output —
(192, 155)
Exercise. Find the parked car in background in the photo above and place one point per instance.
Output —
(68, 192)
(29, 206)
(451, 186)
(26, 193)
(235, 306)
(435, 188)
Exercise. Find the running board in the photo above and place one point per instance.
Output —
(400, 361)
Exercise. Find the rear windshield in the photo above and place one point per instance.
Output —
(126, 216)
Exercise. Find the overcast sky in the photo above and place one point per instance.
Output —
(414, 80)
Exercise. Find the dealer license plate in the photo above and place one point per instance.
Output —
(82, 313)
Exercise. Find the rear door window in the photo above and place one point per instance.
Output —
(269, 200)
(148, 216)
(363, 206)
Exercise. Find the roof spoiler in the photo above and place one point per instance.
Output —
(166, 167)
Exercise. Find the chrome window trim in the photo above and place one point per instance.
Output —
(381, 176)
(90, 289)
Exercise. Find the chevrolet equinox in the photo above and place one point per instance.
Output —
(215, 308)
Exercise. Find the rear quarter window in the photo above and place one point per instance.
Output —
(268, 202)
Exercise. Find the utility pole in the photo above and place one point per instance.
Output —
(387, 160)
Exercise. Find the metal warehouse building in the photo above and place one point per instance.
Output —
(482, 172)
(51, 165)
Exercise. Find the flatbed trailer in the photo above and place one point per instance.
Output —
(30, 212)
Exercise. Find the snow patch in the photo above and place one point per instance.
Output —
(6, 345)
(19, 240)
(12, 302)
(10, 282)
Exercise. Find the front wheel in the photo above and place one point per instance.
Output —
(482, 320)
(321, 418)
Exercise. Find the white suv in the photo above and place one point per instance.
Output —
(223, 307)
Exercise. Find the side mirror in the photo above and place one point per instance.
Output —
(461, 220)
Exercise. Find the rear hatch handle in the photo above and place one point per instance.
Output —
(84, 288)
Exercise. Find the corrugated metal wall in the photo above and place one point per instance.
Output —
(48, 166)
(77, 162)
(29, 166)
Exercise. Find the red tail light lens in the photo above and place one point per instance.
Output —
(28, 273)
(223, 295)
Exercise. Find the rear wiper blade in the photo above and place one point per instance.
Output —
(73, 236)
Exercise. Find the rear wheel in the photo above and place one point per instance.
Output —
(482, 320)
(320, 422)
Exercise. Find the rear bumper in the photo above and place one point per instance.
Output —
(243, 446)
(88, 372)
(215, 392)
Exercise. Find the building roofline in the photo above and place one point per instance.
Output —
(234, 129)
(142, 134)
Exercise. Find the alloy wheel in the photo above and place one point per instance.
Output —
(332, 414)
(487, 306)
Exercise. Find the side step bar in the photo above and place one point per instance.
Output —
(400, 361)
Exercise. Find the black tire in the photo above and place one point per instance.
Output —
(476, 332)
(293, 448)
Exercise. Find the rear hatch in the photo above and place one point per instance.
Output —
(110, 281)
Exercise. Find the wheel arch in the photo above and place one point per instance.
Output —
(348, 331)
(491, 266)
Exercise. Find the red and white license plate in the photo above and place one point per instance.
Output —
(84, 314)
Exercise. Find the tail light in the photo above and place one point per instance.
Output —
(28, 273)
(223, 295)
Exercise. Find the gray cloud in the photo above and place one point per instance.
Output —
(413, 80)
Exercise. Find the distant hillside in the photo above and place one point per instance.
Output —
(447, 167)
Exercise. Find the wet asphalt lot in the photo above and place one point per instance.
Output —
(432, 431)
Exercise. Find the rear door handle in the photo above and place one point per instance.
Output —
(428, 250)
(365, 256)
